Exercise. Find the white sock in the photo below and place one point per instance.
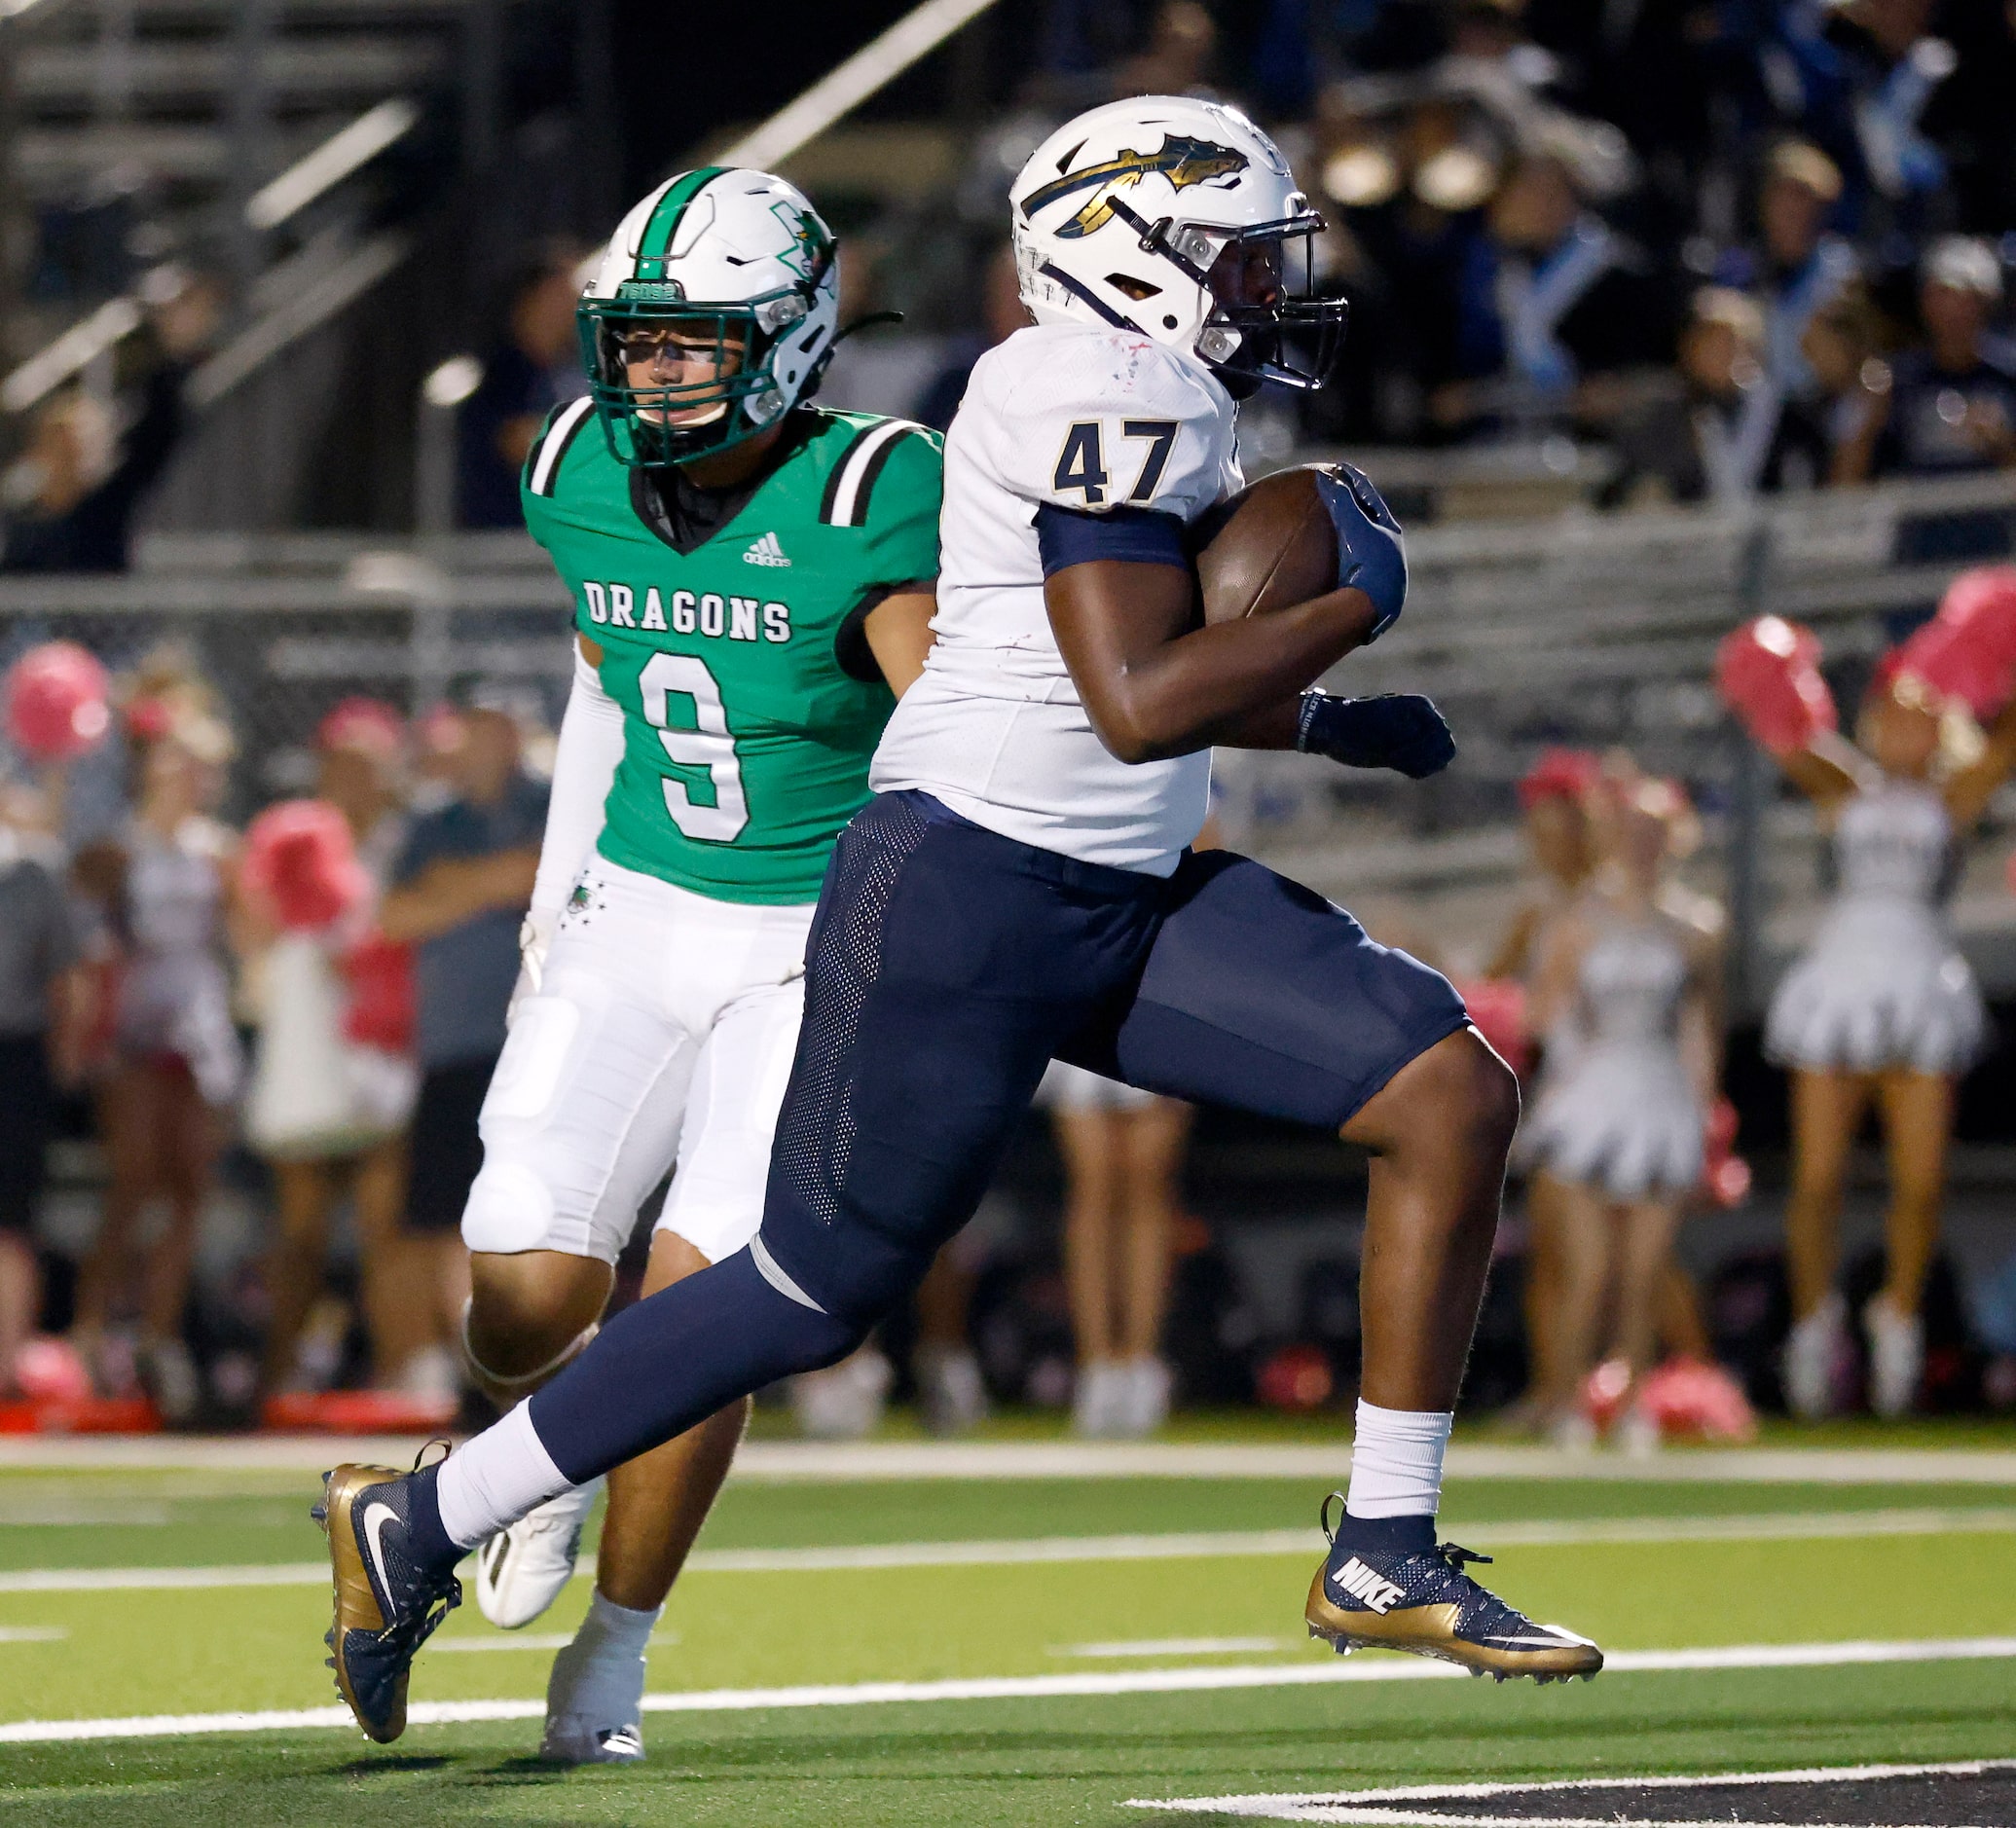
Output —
(610, 1628)
(1396, 1461)
(491, 1481)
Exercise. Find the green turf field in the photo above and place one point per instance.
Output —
(129, 1594)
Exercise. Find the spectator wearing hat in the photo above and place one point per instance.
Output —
(459, 890)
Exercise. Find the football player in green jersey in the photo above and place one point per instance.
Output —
(753, 582)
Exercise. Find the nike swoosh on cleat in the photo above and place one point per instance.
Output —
(376, 1517)
(1551, 1643)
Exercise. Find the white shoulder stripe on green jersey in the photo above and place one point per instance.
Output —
(847, 494)
(553, 447)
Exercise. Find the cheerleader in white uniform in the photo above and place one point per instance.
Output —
(1881, 1009)
(1623, 996)
(175, 1063)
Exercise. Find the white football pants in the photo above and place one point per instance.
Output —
(661, 1038)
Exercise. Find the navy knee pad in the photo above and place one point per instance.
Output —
(668, 1362)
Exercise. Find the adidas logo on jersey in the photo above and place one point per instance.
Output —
(765, 551)
(1368, 1587)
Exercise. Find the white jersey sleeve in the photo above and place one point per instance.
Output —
(1101, 420)
(1072, 418)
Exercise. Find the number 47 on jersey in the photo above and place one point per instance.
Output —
(1081, 463)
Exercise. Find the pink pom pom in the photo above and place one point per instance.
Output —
(56, 702)
(300, 861)
(49, 1371)
(1691, 1400)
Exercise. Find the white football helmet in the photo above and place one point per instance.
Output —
(721, 254)
(1177, 218)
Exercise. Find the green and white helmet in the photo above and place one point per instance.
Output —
(736, 256)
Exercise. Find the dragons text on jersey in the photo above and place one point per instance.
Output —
(751, 705)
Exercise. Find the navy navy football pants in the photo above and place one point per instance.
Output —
(949, 964)
(946, 965)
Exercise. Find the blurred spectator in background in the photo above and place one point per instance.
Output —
(1727, 435)
(533, 369)
(348, 1135)
(1860, 77)
(1092, 50)
(1953, 400)
(1550, 297)
(71, 497)
(43, 1012)
(1841, 345)
(174, 1063)
(1553, 800)
(459, 889)
(951, 1393)
(1123, 1151)
(1001, 315)
(1800, 267)
(1625, 993)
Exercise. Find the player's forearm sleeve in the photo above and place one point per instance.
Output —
(584, 766)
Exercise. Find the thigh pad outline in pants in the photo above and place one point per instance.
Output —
(945, 965)
(731, 1106)
(1260, 995)
(582, 1118)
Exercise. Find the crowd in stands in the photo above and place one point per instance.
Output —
(1738, 248)
(323, 992)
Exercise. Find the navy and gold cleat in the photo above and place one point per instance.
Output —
(1414, 1595)
(387, 1599)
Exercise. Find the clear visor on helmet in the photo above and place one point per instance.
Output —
(676, 379)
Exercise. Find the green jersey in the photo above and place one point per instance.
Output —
(751, 707)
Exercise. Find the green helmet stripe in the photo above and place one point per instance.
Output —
(658, 232)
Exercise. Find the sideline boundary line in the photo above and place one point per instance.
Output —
(1169, 1545)
(1369, 1806)
(859, 1462)
(1394, 1669)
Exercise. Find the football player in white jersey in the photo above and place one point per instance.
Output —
(1022, 887)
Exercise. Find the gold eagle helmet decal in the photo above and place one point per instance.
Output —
(1182, 162)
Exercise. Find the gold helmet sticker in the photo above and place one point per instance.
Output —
(1182, 162)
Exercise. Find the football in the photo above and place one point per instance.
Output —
(1271, 546)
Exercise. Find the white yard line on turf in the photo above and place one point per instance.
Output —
(503, 1640)
(33, 1634)
(1170, 1546)
(1024, 1688)
(1376, 1806)
(1176, 1647)
(852, 1462)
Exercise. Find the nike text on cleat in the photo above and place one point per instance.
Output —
(765, 551)
(522, 1570)
(386, 1605)
(1422, 1601)
(574, 1740)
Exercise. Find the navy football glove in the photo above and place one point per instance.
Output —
(1370, 554)
(1398, 730)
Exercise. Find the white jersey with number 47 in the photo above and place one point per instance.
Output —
(1085, 418)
